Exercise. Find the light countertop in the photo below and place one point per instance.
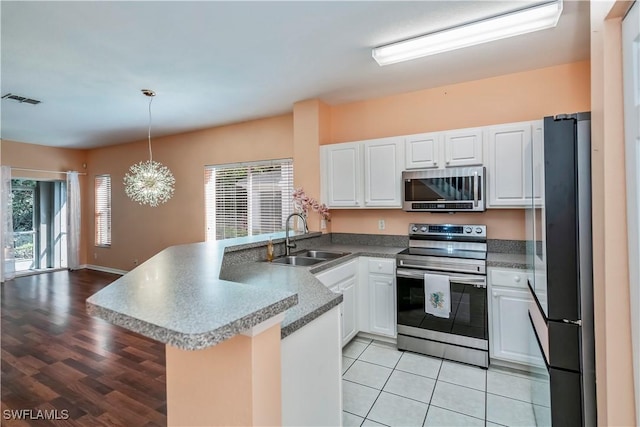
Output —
(184, 297)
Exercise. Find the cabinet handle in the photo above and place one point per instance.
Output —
(475, 189)
(495, 294)
(516, 279)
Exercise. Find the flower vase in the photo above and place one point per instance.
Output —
(300, 223)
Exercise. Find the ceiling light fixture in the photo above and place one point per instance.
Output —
(149, 182)
(538, 17)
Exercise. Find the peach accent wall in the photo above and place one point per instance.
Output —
(32, 156)
(515, 97)
(611, 280)
(508, 98)
(311, 127)
(235, 383)
(139, 232)
(501, 223)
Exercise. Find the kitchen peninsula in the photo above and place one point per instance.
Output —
(225, 358)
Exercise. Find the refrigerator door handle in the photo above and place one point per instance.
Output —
(573, 322)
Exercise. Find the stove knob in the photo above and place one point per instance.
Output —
(414, 229)
(478, 230)
(423, 229)
(467, 230)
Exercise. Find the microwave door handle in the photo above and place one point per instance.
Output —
(475, 189)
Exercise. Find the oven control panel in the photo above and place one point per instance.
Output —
(448, 230)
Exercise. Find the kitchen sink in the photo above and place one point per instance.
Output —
(322, 254)
(298, 260)
(308, 257)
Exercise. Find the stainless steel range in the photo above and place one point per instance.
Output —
(455, 258)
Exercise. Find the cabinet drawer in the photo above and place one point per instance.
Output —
(510, 278)
(381, 266)
(338, 274)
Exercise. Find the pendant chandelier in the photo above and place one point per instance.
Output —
(149, 182)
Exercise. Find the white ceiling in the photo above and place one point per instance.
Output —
(214, 63)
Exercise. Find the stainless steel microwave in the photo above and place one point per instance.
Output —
(459, 189)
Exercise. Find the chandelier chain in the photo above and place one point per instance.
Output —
(149, 131)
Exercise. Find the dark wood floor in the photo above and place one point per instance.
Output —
(55, 357)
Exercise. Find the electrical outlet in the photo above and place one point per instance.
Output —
(381, 224)
(95, 255)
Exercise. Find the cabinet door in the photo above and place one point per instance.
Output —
(383, 172)
(349, 314)
(537, 162)
(512, 336)
(463, 147)
(341, 169)
(422, 151)
(382, 304)
(510, 160)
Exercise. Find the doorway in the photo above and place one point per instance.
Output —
(39, 225)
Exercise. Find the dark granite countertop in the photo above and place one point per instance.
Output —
(504, 260)
(195, 296)
(314, 298)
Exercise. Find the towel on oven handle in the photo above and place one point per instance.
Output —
(437, 295)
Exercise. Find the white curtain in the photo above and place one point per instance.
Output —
(73, 229)
(8, 264)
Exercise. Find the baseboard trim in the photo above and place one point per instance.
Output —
(103, 269)
(383, 338)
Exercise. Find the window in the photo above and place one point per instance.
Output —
(247, 199)
(103, 210)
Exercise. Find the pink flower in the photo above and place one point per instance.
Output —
(302, 202)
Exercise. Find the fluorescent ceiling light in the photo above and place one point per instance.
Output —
(523, 21)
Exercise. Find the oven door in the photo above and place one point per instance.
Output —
(468, 316)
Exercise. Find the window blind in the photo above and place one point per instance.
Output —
(247, 199)
(103, 210)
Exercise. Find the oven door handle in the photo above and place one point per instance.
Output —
(475, 281)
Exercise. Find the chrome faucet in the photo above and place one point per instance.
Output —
(287, 243)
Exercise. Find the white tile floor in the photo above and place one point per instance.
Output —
(382, 386)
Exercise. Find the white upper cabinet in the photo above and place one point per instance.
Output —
(383, 172)
(537, 139)
(423, 151)
(365, 174)
(341, 175)
(463, 147)
(368, 174)
(511, 163)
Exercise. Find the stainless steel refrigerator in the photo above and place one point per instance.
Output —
(561, 283)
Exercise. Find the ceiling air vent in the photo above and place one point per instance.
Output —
(21, 99)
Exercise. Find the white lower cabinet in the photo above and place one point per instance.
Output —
(382, 307)
(342, 279)
(349, 313)
(510, 333)
(380, 283)
(368, 290)
(312, 397)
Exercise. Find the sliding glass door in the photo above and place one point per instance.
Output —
(39, 224)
